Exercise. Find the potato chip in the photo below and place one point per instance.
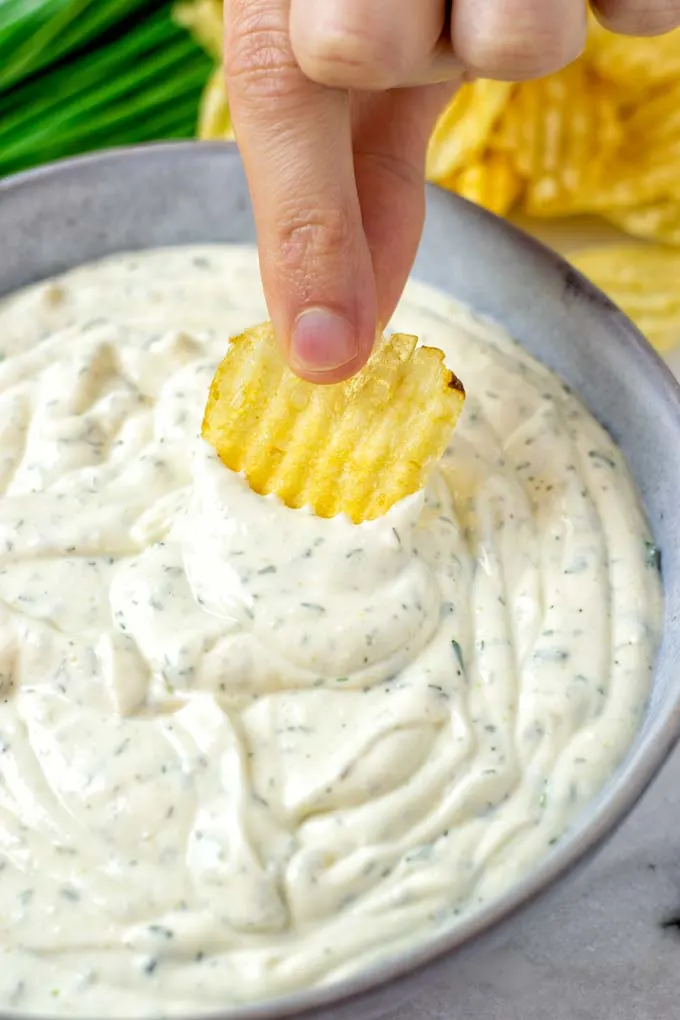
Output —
(647, 169)
(214, 118)
(657, 221)
(491, 182)
(632, 62)
(656, 120)
(203, 18)
(644, 281)
(463, 130)
(649, 178)
(355, 447)
(561, 133)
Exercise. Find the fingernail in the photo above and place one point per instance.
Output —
(322, 341)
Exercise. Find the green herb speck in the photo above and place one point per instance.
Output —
(652, 556)
(458, 651)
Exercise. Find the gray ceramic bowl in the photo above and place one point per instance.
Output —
(65, 214)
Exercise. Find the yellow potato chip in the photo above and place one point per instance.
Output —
(355, 447)
(657, 221)
(655, 120)
(463, 130)
(647, 169)
(203, 18)
(644, 281)
(214, 119)
(562, 133)
(492, 182)
(647, 179)
(635, 63)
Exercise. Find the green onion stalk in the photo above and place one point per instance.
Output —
(80, 75)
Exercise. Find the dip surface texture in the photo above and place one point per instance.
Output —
(243, 750)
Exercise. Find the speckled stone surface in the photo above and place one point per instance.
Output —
(602, 944)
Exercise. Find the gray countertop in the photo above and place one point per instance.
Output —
(599, 947)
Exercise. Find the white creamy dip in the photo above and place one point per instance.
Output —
(244, 750)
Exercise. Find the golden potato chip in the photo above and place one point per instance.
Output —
(355, 447)
(656, 119)
(466, 125)
(647, 168)
(214, 119)
(657, 221)
(644, 179)
(561, 133)
(644, 281)
(632, 62)
(203, 18)
(492, 182)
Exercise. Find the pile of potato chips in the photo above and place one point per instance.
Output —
(601, 137)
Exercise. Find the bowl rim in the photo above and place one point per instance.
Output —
(659, 739)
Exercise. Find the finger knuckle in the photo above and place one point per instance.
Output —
(258, 61)
(310, 240)
(351, 56)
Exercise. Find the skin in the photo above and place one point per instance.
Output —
(333, 102)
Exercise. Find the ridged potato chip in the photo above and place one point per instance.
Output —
(649, 178)
(492, 182)
(656, 120)
(214, 119)
(647, 169)
(465, 127)
(203, 18)
(353, 448)
(561, 133)
(633, 62)
(658, 221)
(644, 281)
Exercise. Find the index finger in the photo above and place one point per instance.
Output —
(295, 139)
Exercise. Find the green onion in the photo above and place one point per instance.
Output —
(49, 92)
(85, 105)
(44, 32)
(139, 82)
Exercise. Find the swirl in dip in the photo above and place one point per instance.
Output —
(244, 750)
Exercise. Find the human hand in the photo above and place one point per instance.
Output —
(333, 102)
